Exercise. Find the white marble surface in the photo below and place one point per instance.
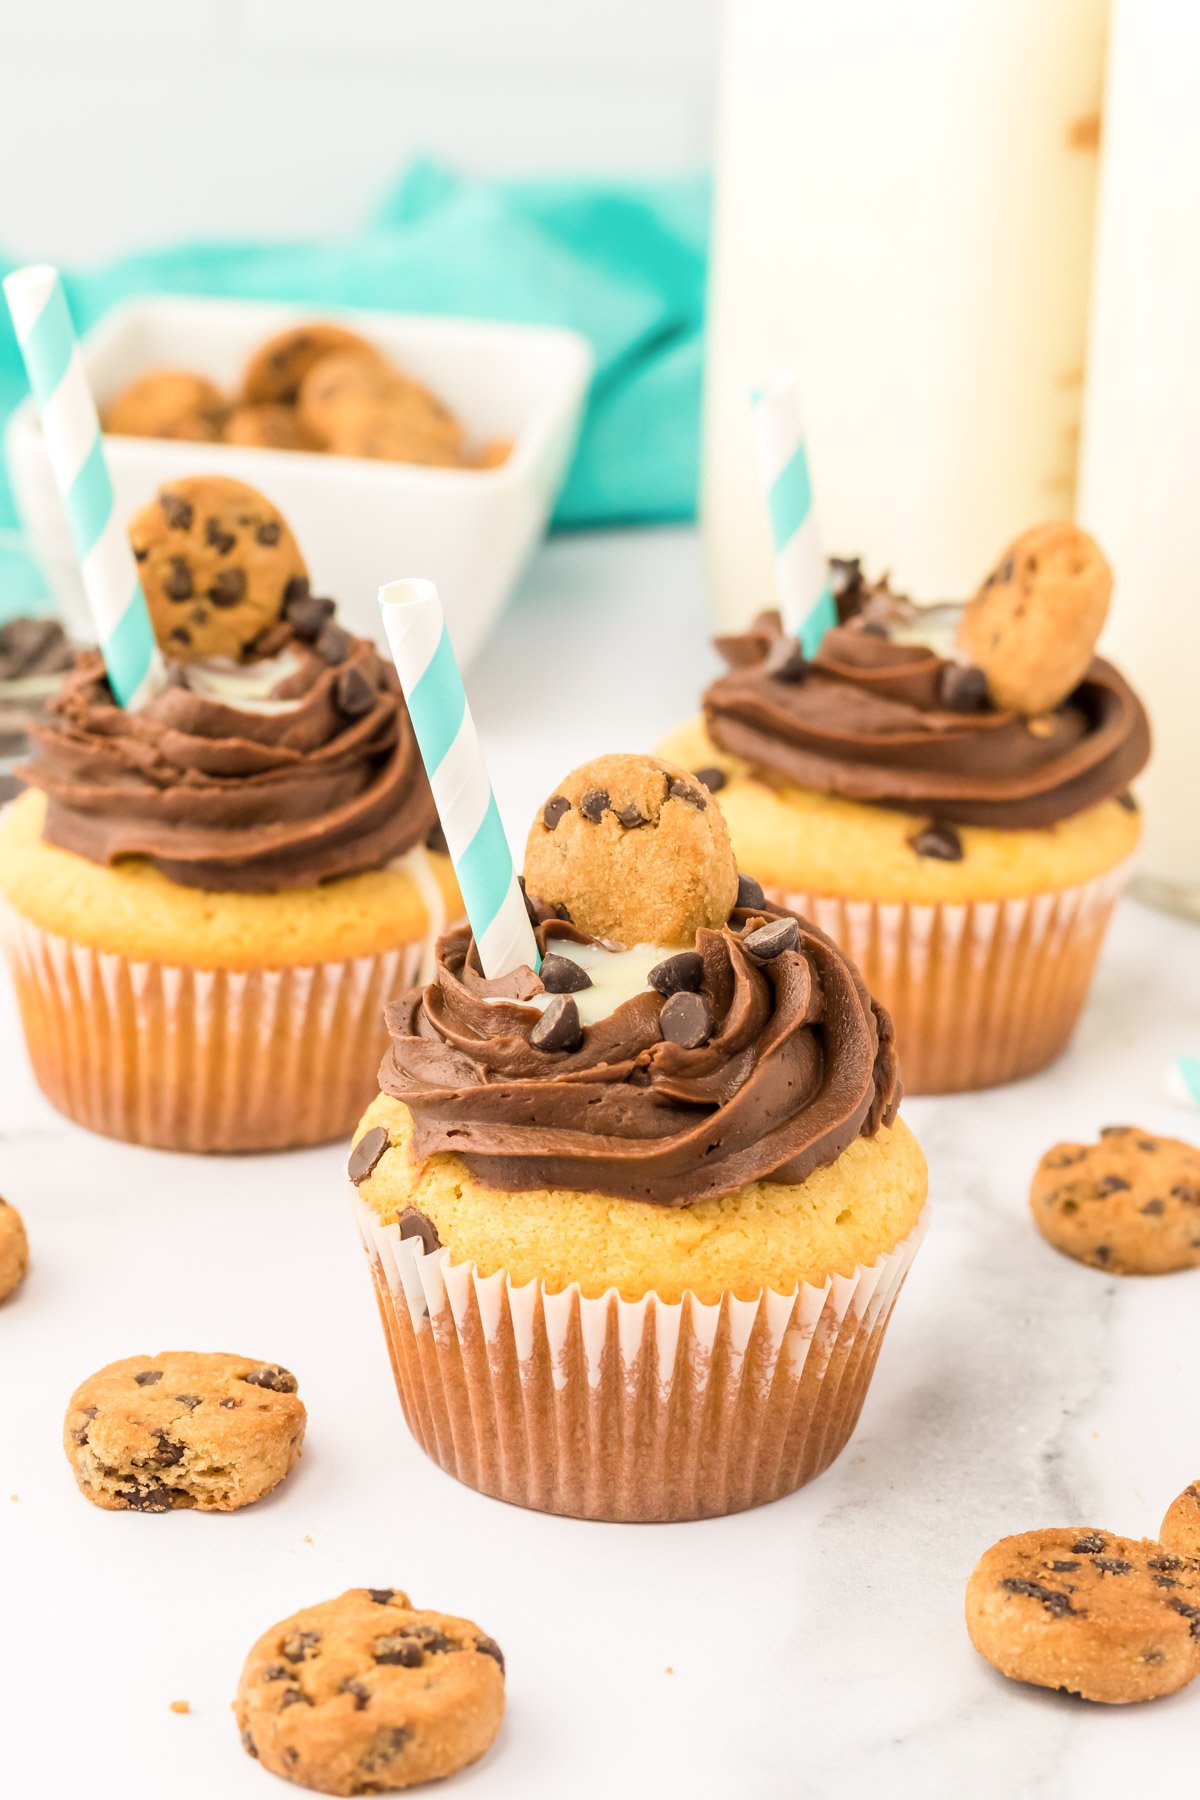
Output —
(817, 1646)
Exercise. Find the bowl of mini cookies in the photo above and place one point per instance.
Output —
(391, 439)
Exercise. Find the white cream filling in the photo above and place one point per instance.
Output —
(249, 687)
(617, 976)
(934, 627)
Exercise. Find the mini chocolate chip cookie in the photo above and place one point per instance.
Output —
(1181, 1527)
(636, 850)
(167, 403)
(277, 369)
(356, 408)
(14, 1250)
(216, 561)
(1129, 1204)
(266, 427)
(183, 1429)
(1033, 625)
(1105, 1617)
(363, 1694)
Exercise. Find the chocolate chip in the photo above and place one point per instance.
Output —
(1153, 1209)
(332, 643)
(178, 583)
(686, 1020)
(786, 660)
(1111, 1184)
(228, 587)
(366, 1154)
(678, 789)
(276, 1672)
(713, 779)
(682, 973)
(180, 635)
(845, 574)
(1128, 802)
(941, 842)
(273, 1378)
(358, 1691)
(1112, 1565)
(593, 804)
(215, 534)
(415, 1224)
(554, 810)
(152, 1498)
(177, 511)
(293, 1696)
(771, 940)
(631, 817)
(559, 1027)
(400, 1652)
(1063, 1568)
(383, 1749)
(308, 615)
(1090, 1544)
(873, 628)
(248, 1745)
(562, 976)
(148, 1377)
(298, 1646)
(268, 532)
(962, 688)
(487, 1646)
(168, 1453)
(140, 553)
(1058, 1605)
(381, 1596)
(1189, 1612)
(229, 1404)
(353, 693)
(297, 587)
(749, 894)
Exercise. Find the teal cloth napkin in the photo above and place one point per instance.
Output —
(621, 262)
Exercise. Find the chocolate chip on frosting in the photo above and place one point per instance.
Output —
(562, 975)
(559, 1027)
(366, 1154)
(941, 842)
(308, 615)
(687, 1020)
(679, 974)
(353, 693)
(963, 688)
(750, 896)
(332, 644)
(770, 941)
(553, 811)
(787, 661)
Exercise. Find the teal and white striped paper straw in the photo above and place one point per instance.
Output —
(1183, 1081)
(805, 597)
(445, 731)
(71, 432)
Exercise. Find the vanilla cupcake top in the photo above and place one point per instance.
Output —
(683, 1037)
(280, 754)
(1017, 724)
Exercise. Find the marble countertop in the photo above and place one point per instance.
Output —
(813, 1648)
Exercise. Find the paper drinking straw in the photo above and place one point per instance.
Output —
(805, 597)
(1183, 1081)
(71, 432)
(437, 705)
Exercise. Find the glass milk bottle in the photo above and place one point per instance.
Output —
(904, 205)
(1140, 466)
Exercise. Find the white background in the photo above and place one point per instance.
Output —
(128, 123)
(817, 1645)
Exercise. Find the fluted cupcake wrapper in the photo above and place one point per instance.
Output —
(203, 1059)
(980, 992)
(646, 1410)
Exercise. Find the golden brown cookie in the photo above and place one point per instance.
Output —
(183, 1429)
(1101, 1616)
(167, 403)
(217, 561)
(266, 427)
(14, 1250)
(363, 1694)
(1033, 625)
(1181, 1528)
(636, 851)
(1129, 1204)
(355, 408)
(276, 370)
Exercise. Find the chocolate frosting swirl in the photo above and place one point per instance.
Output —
(867, 720)
(229, 799)
(800, 1063)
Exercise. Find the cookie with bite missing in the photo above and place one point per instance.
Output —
(636, 850)
(276, 370)
(167, 403)
(1181, 1527)
(217, 563)
(1129, 1204)
(1105, 1617)
(183, 1429)
(366, 1693)
(14, 1250)
(1032, 627)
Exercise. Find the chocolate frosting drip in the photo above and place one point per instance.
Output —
(234, 800)
(867, 720)
(800, 1063)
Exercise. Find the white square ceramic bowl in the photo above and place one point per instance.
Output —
(360, 523)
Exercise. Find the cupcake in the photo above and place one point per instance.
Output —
(637, 1223)
(209, 900)
(945, 790)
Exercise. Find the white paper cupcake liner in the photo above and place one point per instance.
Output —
(606, 1408)
(203, 1059)
(980, 992)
